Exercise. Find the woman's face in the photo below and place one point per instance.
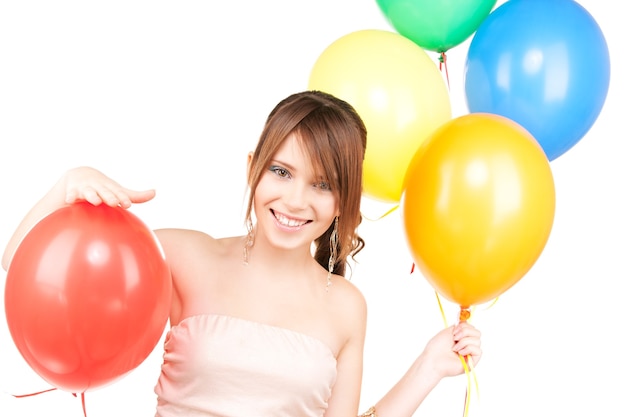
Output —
(292, 204)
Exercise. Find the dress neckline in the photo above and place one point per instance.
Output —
(255, 323)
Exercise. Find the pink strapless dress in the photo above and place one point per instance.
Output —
(221, 366)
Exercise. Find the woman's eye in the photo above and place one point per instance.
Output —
(281, 172)
(323, 185)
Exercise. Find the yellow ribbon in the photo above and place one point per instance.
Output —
(467, 362)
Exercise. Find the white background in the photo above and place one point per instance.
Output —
(172, 96)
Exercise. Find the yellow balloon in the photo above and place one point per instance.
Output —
(478, 207)
(399, 93)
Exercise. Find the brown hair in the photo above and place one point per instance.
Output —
(334, 137)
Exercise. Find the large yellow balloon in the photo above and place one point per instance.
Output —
(399, 93)
(478, 207)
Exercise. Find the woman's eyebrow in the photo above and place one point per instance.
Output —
(283, 164)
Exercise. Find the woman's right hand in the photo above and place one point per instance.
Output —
(76, 185)
(89, 184)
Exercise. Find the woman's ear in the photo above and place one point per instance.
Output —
(248, 165)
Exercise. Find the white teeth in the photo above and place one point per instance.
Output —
(286, 221)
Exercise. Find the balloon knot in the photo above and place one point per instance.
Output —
(464, 314)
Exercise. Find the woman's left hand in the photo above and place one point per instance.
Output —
(447, 346)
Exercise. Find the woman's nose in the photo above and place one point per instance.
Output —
(297, 195)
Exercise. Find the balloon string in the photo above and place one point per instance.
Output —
(34, 393)
(469, 371)
(388, 212)
(82, 397)
(443, 314)
(464, 315)
(82, 400)
(468, 365)
(443, 65)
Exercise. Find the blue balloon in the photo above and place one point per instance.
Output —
(543, 64)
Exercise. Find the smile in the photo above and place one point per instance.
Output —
(288, 221)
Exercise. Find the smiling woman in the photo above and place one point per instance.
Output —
(291, 195)
(173, 95)
(333, 137)
(255, 325)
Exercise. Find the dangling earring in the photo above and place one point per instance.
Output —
(249, 241)
(333, 254)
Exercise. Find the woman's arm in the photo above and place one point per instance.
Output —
(351, 308)
(78, 184)
(440, 359)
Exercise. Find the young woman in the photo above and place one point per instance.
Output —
(266, 324)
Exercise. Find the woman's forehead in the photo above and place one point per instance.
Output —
(291, 149)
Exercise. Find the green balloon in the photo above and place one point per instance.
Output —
(436, 25)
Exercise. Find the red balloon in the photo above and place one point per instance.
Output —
(87, 296)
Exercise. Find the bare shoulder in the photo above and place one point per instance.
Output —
(187, 243)
(192, 253)
(349, 304)
(351, 296)
(187, 237)
(197, 261)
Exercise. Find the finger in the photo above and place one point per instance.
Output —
(475, 354)
(467, 346)
(464, 329)
(90, 195)
(99, 195)
(71, 196)
(125, 197)
(140, 196)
